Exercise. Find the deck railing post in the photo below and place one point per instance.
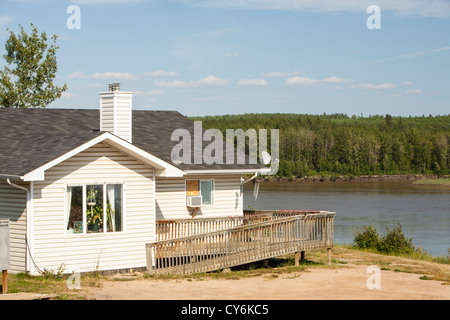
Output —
(149, 257)
(297, 258)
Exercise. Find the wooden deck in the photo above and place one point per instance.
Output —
(236, 240)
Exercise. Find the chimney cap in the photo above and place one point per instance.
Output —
(115, 86)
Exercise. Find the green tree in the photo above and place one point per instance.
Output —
(27, 78)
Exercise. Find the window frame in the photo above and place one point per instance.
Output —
(84, 186)
(213, 190)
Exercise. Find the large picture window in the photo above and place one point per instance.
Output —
(94, 208)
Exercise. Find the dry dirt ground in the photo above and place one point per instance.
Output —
(347, 278)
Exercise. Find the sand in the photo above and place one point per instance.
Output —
(352, 282)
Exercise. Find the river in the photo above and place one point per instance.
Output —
(422, 211)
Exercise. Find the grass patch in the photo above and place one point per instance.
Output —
(436, 269)
(434, 182)
(52, 284)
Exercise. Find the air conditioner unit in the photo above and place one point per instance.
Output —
(194, 201)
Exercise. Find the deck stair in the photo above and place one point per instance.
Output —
(204, 245)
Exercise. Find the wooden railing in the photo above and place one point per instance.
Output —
(242, 244)
(167, 229)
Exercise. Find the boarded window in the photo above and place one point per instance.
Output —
(204, 188)
(192, 188)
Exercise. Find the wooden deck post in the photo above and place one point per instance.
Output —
(265, 263)
(329, 255)
(4, 281)
(148, 252)
(297, 258)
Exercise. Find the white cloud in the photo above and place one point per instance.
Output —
(414, 54)
(407, 83)
(430, 8)
(335, 80)
(4, 21)
(252, 82)
(212, 81)
(161, 73)
(280, 74)
(305, 81)
(155, 92)
(68, 95)
(102, 76)
(414, 91)
(301, 81)
(208, 81)
(375, 86)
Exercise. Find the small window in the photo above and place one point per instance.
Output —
(94, 208)
(74, 209)
(114, 201)
(206, 191)
(204, 188)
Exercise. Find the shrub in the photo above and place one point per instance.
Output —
(367, 238)
(395, 241)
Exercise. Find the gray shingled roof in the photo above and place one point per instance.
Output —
(30, 138)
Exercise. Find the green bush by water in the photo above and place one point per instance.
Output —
(393, 242)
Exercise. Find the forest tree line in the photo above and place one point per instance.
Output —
(337, 144)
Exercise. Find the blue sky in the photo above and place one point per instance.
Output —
(249, 56)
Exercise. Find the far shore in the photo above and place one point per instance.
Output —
(424, 178)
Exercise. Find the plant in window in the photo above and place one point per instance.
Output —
(94, 218)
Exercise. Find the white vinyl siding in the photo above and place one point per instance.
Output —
(107, 114)
(123, 117)
(101, 251)
(116, 114)
(171, 197)
(13, 206)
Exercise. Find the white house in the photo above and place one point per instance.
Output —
(83, 189)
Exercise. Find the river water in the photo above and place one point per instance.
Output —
(422, 211)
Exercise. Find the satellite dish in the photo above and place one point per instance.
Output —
(265, 157)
